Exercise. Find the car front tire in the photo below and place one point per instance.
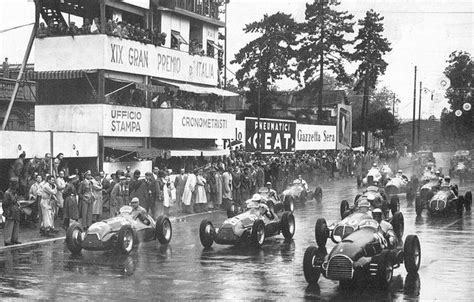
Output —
(206, 233)
(164, 230)
(288, 225)
(125, 239)
(73, 238)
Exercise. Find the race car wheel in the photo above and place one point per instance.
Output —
(394, 204)
(164, 231)
(359, 181)
(206, 233)
(321, 232)
(231, 210)
(125, 239)
(73, 238)
(344, 208)
(410, 193)
(289, 203)
(288, 225)
(258, 233)
(468, 200)
(312, 261)
(318, 194)
(384, 273)
(412, 253)
(418, 205)
(398, 223)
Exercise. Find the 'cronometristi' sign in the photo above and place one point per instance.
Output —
(274, 135)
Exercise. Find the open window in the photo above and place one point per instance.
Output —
(177, 39)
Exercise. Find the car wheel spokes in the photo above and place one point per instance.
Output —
(261, 235)
(128, 241)
(167, 229)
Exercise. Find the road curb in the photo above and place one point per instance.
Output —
(25, 244)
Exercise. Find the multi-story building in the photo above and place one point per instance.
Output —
(143, 74)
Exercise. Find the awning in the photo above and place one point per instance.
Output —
(143, 152)
(198, 89)
(199, 152)
(178, 37)
(213, 44)
(56, 74)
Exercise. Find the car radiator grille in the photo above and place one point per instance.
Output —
(437, 205)
(340, 267)
(343, 230)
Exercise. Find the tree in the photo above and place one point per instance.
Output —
(370, 47)
(265, 59)
(459, 72)
(323, 43)
(383, 124)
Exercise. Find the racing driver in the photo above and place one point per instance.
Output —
(386, 227)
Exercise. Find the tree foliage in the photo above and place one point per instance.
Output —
(266, 59)
(370, 48)
(324, 21)
(459, 71)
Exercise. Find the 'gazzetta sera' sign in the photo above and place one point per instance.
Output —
(126, 121)
(315, 137)
(274, 135)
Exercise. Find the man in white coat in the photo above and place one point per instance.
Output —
(188, 193)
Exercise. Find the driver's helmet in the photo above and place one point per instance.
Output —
(400, 172)
(256, 197)
(374, 165)
(268, 184)
(297, 181)
(377, 214)
(438, 173)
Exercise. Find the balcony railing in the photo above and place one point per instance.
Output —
(207, 8)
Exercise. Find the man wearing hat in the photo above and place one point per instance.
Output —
(11, 211)
(70, 209)
(85, 200)
(117, 196)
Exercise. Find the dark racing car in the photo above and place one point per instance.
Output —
(444, 200)
(251, 227)
(119, 233)
(364, 255)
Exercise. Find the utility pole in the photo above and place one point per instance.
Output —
(419, 115)
(225, 44)
(414, 115)
(366, 112)
(321, 63)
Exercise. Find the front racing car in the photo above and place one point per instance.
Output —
(363, 255)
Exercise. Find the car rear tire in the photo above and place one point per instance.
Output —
(418, 205)
(468, 201)
(344, 208)
(394, 204)
(257, 237)
(318, 194)
(289, 203)
(412, 253)
(288, 225)
(460, 205)
(207, 233)
(73, 238)
(321, 232)
(303, 196)
(356, 198)
(164, 231)
(398, 223)
(312, 261)
(125, 239)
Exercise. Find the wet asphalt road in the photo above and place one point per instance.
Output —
(183, 270)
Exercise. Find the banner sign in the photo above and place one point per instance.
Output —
(126, 121)
(123, 55)
(315, 137)
(344, 126)
(275, 135)
(202, 124)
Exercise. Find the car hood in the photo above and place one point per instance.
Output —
(441, 195)
(246, 219)
(110, 225)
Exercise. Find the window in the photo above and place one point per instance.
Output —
(177, 39)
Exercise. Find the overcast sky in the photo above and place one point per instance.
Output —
(422, 33)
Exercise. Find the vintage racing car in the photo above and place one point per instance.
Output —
(444, 200)
(298, 192)
(351, 220)
(270, 198)
(250, 227)
(461, 166)
(119, 233)
(399, 184)
(378, 199)
(364, 255)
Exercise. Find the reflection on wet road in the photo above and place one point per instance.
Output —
(184, 270)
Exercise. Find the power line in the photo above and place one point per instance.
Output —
(15, 27)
